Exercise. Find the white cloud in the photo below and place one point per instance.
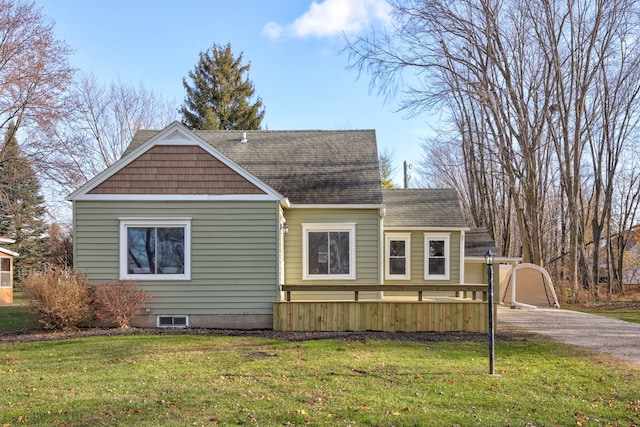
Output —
(331, 18)
(272, 30)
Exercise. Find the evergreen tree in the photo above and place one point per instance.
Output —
(220, 93)
(386, 158)
(22, 207)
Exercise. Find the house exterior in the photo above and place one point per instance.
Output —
(215, 224)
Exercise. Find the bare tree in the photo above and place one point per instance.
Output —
(34, 67)
(525, 87)
(624, 225)
(97, 132)
(477, 60)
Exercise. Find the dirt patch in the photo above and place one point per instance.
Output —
(39, 335)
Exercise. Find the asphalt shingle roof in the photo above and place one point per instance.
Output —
(423, 207)
(477, 241)
(308, 167)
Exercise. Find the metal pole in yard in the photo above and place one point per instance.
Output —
(489, 259)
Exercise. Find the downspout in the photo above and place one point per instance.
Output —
(284, 204)
(462, 254)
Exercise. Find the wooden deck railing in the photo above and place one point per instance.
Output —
(391, 288)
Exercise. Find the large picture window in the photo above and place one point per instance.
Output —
(155, 249)
(436, 256)
(398, 256)
(329, 251)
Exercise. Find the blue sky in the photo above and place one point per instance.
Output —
(294, 46)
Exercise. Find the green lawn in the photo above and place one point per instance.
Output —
(205, 380)
(629, 314)
(16, 317)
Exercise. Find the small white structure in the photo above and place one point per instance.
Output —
(6, 272)
(529, 287)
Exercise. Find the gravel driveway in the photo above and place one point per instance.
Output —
(608, 335)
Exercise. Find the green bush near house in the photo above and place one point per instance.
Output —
(181, 380)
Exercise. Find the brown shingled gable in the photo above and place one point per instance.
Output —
(176, 169)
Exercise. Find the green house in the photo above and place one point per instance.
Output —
(216, 224)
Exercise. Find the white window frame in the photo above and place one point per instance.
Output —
(125, 223)
(446, 237)
(342, 227)
(7, 273)
(406, 237)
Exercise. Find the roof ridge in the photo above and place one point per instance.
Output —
(283, 130)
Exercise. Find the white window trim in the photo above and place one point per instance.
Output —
(7, 273)
(447, 257)
(349, 227)
(407, 254)
(155, 222)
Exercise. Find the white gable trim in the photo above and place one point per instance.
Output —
(178, 197)
(8, 252)
(174, 134)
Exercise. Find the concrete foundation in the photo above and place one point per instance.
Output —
(213, 321)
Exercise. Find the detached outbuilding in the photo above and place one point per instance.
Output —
(6, 272)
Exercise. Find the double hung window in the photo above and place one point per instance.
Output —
(436, 256)
(398, 256)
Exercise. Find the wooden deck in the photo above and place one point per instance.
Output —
(441, 314)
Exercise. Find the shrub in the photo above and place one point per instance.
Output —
(59, 297)
(118, 302)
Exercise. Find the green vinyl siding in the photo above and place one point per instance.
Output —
(417, 258)
(367, 242)
(234, 253)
